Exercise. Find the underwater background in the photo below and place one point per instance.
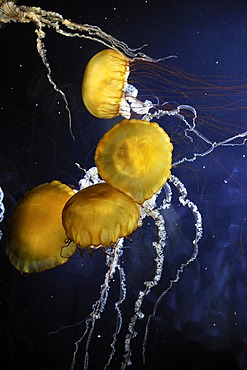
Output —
(201, 323)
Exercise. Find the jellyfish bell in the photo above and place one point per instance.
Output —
(135, 157)
(35, 231)
(99, 215)
(103, 83)
(105, 90)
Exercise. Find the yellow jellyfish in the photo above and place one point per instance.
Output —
(103, 83)
(135, 157)
(35, 232)
(99, 215)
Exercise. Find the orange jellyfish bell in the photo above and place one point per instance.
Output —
(99, 215)
(36, 233)
(135, 157)
(103, 83)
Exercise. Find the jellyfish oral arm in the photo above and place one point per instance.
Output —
(130, 103)
(113, 263)
(159, 261)
(2, 210)
(10, 12)
(184, 201)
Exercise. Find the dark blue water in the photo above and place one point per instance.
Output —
(201, 323)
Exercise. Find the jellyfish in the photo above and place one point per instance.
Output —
(107, 93)
(135, 157)
(105, 90)
(98, 216)
(103, 84)
(90, 204)
(35, 232)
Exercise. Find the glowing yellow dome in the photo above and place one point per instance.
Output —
(135, 157)
(103, 83)
(35, 232)
(99, 215)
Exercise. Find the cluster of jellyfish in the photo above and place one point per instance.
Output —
(133, 163)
